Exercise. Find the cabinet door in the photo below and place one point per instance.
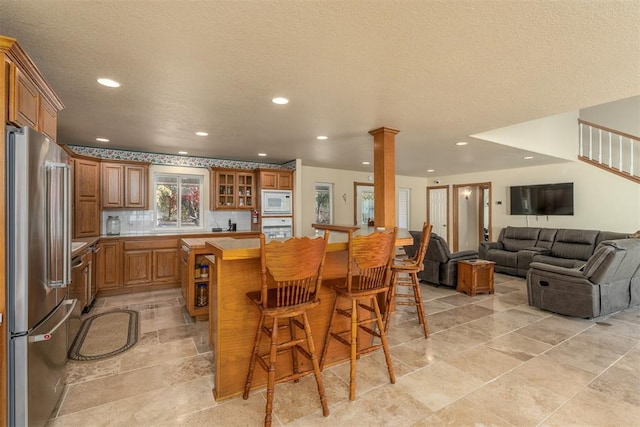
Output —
(112, 185)
(224, 190)
(23, 99)
(86, 212)
(268, 180)
(246, 190)
(136, 178)
(78, 285)
(285, 181)
(109, 262)
(48, 119)
(86, 221)
(166, 265)
(137, 267)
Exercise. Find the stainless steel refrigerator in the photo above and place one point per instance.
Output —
(38, 271)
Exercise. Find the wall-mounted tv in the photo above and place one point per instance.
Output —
(543, 199)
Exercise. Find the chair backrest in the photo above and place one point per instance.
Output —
(370, 257)
(438, 250)
(425, 237)
(294, 268)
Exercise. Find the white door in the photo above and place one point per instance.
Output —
(438, 210)
(364, 204)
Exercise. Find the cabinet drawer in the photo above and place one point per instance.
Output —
(138, 245)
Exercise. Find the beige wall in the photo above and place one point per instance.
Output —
(343, 200)
(602, 200)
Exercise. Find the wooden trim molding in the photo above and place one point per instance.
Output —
(10, 47)
(615, 171)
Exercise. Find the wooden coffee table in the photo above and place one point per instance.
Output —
(475, 276)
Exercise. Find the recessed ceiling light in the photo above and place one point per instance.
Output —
(262, 154)
(183, 152)
(430, 170)
(102, 140)
(528, 157)
(322, 137)
(366, 163)
(108, 82)
(200, 133)
(461, 143)
(280, 100)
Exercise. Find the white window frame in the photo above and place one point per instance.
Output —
(404, 197)
(180, 173)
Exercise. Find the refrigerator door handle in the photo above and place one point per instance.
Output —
(58, 229)
(48, 335)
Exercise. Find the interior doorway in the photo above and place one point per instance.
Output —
(363, 213)
(471, 215)
(438, 210)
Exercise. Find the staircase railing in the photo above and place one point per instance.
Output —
(609, 149)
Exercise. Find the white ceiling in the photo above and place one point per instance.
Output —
(436, 70)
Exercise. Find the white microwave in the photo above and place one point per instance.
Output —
(276, 202)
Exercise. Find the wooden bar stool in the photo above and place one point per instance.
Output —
(404, 275)
(368, 276)
(291, 279)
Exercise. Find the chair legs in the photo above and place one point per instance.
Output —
(413, 282)
(358, 324)
(270, 364)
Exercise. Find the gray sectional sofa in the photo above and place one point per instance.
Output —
(608, 282)
(517, 247)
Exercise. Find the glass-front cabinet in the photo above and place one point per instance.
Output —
(233, 189)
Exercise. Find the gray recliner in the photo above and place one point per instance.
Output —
(608, 282)
(440, 265)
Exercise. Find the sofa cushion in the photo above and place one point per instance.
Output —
(546, 237)
(504, 258)
(574, 244)
(560, 262)
(610, 235)
(516, 238)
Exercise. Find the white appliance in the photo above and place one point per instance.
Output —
(276, 202)
(277, 228)
(38, 259)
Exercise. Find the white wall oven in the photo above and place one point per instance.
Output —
(277, 228)
(276, 202)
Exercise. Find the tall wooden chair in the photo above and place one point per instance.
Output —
(290, 283)
(368, 276)
(405, 274)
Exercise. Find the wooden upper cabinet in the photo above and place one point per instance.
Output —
(47, 119)
(23, 99)
(276, 179)
(232, 189)
(136, 186)
(86, 212)
(124, 185)
(30, 101)
(112, 185)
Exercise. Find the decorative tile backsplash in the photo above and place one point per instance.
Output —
(174, 160)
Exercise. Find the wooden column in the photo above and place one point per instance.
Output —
(384, 176)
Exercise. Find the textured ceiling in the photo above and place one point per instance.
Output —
(436, 70)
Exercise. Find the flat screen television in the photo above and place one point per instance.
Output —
(543, 199)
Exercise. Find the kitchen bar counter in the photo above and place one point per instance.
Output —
(233, 319)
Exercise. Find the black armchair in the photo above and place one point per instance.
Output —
(440, 265)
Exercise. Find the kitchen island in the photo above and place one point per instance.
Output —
(233, 319)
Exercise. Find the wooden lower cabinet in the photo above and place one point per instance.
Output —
(191, 280)
(166, 265)
(151, 263)
(108, 265)
(137, 267)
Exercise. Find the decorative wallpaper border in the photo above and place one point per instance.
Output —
(174, 160)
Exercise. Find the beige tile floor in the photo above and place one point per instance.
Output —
(490, 360)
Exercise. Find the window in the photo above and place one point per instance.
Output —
(177, 201)
(403, 207)
(324, 197)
